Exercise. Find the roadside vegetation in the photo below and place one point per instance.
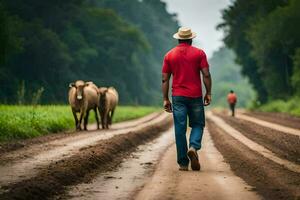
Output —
(20, 122)
(290, 107)
(272, 63)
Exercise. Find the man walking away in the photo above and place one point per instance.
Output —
(232, 99)
(185, 62)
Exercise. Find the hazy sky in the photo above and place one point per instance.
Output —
(202, 16)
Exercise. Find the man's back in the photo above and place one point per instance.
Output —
(231, 98)
(184, 62)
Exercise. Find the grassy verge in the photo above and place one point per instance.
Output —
(291, 106)
(20, 122)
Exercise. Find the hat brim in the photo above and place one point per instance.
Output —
(176, 36)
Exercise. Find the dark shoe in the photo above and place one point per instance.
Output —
(193, 156)
(183, 168)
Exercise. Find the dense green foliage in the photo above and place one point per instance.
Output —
(19, 122)
(47, 44)
(290, 107)
(296, 74)
(265, 36)
(227, 76)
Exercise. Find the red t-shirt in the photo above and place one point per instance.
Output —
(231, 98)
(184, 62)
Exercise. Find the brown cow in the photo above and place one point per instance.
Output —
(108, 102)
(83, 97)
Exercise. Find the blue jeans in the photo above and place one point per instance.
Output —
(192, 108)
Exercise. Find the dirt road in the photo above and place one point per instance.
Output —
(215, 181)
(242, 158)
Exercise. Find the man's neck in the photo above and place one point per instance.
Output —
(184, 44)
(189, 42)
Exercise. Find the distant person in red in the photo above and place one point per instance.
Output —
(232, 99)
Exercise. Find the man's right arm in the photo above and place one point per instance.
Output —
(165, 91)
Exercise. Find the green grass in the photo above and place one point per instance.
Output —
(124, 113)
(20, 122)
(291, 106)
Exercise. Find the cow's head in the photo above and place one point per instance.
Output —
(79, 85)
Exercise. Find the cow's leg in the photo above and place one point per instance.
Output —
(75, 118)
(96, 116)
(80, 119)
(108, 118)
(105, 119)
(111, 116)
(102, 117)
(86, 118)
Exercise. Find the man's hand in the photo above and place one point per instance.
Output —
(167, 106)
(207, 99)
(207, 83)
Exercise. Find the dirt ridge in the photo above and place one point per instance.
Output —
(38, 157)
(284, 145)
(271, 180)
(82, 166)
(277, 118)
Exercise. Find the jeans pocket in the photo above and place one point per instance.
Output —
(196, 115)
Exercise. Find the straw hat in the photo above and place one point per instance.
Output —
(184, 34)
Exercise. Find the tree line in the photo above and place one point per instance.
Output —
(265, 36)
(47, 44)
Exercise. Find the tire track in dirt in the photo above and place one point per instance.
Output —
(252, 145)
(284, 145)
(277, 127)
(277, 118)
(85, 164)
(271, 180)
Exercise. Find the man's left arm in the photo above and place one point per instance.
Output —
(207, 83)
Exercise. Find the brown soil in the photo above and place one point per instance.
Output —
(270, 180)
(135, 169)
(13, 145)
(284, 145)
(82, 166)
(278, 118)
(215, 180)
(19, 144)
